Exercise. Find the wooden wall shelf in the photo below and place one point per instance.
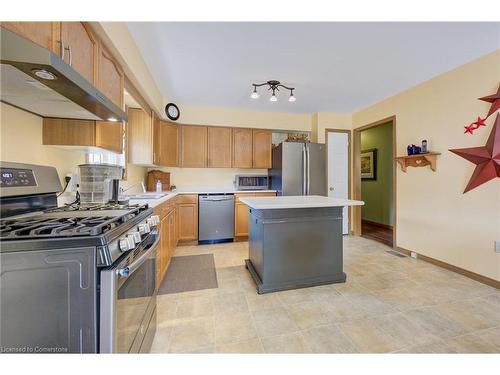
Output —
(418, 160)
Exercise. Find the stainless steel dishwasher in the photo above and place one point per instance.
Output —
(216, 218)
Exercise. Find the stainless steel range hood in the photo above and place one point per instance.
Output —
(37, 80)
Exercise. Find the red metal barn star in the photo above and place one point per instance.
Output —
(486, 158)
(494, 100)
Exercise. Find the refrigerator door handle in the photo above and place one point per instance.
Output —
(304, 170)
(308, 170)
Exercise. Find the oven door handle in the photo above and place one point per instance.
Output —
(132, 267)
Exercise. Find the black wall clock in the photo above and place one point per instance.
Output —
(172, 111)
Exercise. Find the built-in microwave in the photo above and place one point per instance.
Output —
(251, 182)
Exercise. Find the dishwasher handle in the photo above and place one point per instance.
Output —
(216, 198)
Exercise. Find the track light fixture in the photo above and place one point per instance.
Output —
(274, 86)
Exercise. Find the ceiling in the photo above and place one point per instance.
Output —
(335, 67)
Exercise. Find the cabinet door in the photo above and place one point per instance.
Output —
(139, 137)
(109, 135)
(188, 221)
(242, 148)
(193, 146)
(169, 134)
(110, 78)
(46, 34)
(171, 229)
(219, 147)
(262, 143)
(81, 49)
(165, 245)
(157, 149)
(241, 219)
(68, 132)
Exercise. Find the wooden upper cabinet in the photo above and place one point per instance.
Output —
(157, 149)
(220, 147)
(83, 133)
(45, 34)
(262, 144)
(140, 136)
(193, 146)
(80, 49)
(109, 135)
(110, 77)
(242, 148)
(169, 134)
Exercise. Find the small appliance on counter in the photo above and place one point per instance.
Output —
(99, 183)
(251, 182)
(156, 175)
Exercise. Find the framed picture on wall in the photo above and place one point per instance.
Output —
(369, 164)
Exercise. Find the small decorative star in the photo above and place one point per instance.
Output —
(480, 122)
(486, 158)
(469, 129)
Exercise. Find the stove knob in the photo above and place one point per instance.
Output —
(137, 237)
(144, 228)
(131, 241)
(156, 219)
(124, 245)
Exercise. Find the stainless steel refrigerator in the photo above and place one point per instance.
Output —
(299, 169)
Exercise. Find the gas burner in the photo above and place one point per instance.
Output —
(98, 207)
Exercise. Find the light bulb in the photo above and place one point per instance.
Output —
(292, 98)
(254, 94)
(273, 98)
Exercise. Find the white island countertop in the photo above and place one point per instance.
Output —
(301, 201)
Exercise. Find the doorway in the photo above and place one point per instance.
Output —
(374, 150)
(339, 168)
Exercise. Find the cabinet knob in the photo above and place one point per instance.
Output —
(331, 188)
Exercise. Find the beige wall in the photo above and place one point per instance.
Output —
(332, 120)
(21, 141)
(238, 118)
(434, 218)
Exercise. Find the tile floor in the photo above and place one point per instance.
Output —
(388, 304)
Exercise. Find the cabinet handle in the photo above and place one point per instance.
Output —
(62, 48)
(68, 48)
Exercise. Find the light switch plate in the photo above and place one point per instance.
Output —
(497, 246)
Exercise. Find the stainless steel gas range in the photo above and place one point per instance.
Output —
(78, 279)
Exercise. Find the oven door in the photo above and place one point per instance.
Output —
(128, 299)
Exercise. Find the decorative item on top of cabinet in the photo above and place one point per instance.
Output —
(262, 148)
(45, 34)
(155, 176)
(242, 148)
(219, 147)
(110, 77)
(193, 146)
(83, 133)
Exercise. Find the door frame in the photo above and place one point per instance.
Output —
(349, 165)
(357, 174)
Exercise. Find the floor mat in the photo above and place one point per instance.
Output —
(188, 273)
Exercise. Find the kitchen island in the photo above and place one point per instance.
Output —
(295, 241)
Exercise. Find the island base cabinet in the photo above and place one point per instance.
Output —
(295, 248)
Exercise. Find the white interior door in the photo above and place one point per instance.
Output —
(338, 171)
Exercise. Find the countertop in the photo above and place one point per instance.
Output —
(171, 194)
(308, 201)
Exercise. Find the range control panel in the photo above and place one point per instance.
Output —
(12, 177)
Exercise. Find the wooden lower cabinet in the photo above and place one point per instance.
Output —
(241, 213)
(187, 209)
(168, 237)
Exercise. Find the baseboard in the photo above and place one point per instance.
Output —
(375, 224)
(450, 267)
(240, 238)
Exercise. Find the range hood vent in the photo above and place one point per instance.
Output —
(37, 80)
